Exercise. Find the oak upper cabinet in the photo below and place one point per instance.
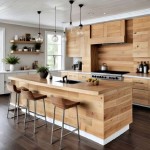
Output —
(77, 45)
(109, 32)
(141, 37)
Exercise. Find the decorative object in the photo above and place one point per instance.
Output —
(80, 32)
(43, 71)
(25, 48)
(39, 38)
(71, 2)
(37, 47)
(16, 38)
(28, 36)
(12, 60)
(92, 82)
(55, 37)
(13, 48)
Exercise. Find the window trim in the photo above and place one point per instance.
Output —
(62, 49)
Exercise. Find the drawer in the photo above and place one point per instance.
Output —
(65, 73)
(83, 77)
(126, 79)
(141, 97)
(142, 84)
(72, 76)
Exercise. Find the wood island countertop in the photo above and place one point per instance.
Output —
(82, 87)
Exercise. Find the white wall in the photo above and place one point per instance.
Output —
(11, 30)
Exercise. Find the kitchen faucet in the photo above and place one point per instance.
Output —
(64, 77)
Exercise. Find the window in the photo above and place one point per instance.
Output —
(54, 57)
(2, 44)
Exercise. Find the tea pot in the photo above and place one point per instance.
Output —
(104, 67)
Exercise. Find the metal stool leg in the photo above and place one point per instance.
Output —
(78, 122)
(8, 105)
(62, 129)
(18, 96)
(44, 112)
(25, 119)
(34, 116)
(15, 106)
(53, 125)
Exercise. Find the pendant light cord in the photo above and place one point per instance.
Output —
(80, 15)
(71, 15)
(55, 19)
(39, 12)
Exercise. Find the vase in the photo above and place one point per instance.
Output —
(43, 74)
(12, 67)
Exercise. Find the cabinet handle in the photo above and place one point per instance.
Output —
(137, 45)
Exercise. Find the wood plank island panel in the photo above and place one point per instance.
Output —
(102, 114)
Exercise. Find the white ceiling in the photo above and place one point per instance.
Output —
(24, 12)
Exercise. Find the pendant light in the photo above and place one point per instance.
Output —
(71, 2)
(39, 38)
(55, 37)
(80, 32)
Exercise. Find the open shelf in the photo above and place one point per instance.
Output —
(23, 42)
(22, 52)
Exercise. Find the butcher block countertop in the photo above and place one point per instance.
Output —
(103, 87)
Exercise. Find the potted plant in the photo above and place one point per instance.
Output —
(43, 71)
(37, 47)
(13, 48)
(12, 60)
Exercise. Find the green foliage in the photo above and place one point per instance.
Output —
(11, 60)
(42, 69)
(37, 46)
(13, 47)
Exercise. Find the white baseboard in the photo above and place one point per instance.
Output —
(90, 136)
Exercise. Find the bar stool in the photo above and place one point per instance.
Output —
(63, 104)
(30, 96)
(13, 89)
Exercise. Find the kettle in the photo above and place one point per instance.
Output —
(104, 67)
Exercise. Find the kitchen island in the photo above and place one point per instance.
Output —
(105, 111)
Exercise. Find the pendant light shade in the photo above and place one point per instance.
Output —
(39, 38)
(80, 32)
(55, 37)
(71, 2)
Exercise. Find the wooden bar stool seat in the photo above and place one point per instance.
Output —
(63, 104)
(30, 96)
(13, 89)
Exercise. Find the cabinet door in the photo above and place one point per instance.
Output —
(72, 44)
(141, 97)
(84, 77)
(97, 30)
(73, 76)
(1, 83)
(141, 84)
(141, 37)
(64, 73)
(109, 32)
(127, 79)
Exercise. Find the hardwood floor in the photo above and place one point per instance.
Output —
(13, 137)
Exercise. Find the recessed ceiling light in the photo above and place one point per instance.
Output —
(104, 13)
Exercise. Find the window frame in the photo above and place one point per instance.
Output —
(62, 48)
(3, 46)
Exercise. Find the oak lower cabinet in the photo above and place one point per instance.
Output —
(141, 37)
(141, 90)
(109, 32)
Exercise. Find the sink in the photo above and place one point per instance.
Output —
(69, 81)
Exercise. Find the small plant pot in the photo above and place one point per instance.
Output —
(43, 75)
(12, 67)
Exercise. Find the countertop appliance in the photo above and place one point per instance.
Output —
(109, 75)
